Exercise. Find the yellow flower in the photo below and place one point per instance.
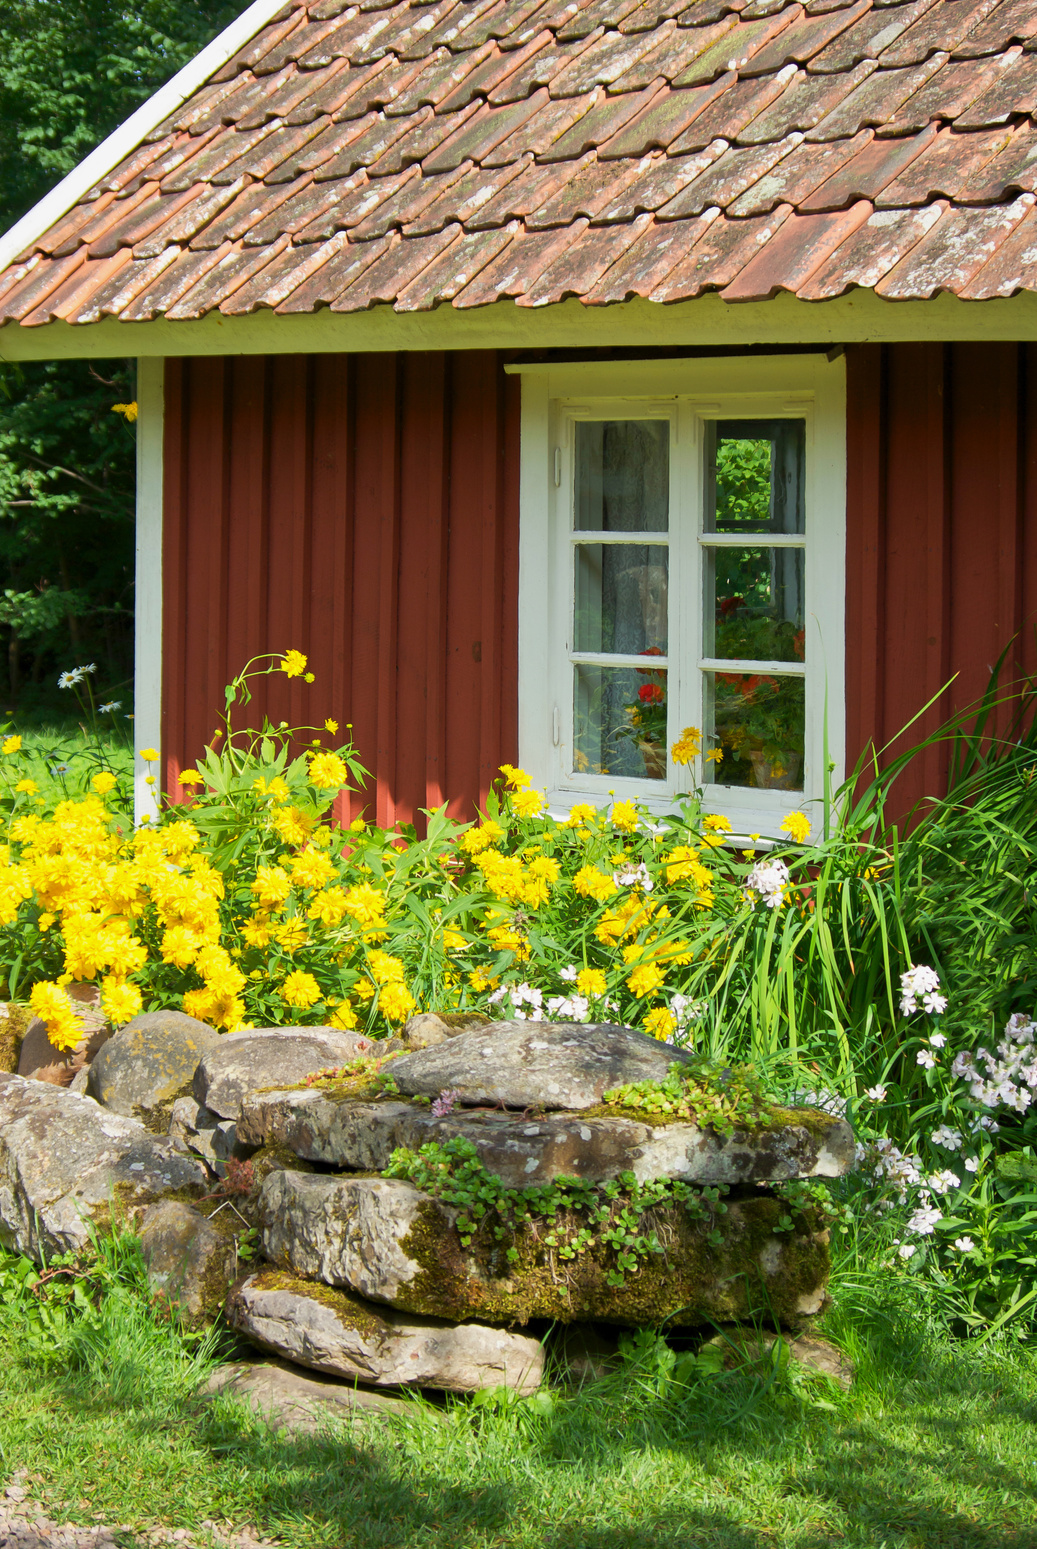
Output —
(27, 787)
(327, 771)
(45, 921)
(687, 745)
(660, 1023)
(365, 903)
(396, 1003)
(54, 1008)
(256, 932)
(149, 755)
(481, 981)
(311, 869)
(343, 1016)
(300, 989)
(589, 882)
(453, 941)
(120, 1001)
(384, 968)
(528, 804)
(624, 816)
(180, 946)
(12, 744)
(294, 664)
(591, 981)
(797, 826)
(518, 779)
(127, 410)
(646, 979)
(272, 886)
(715, 756)
(474, 840)
(580, 814)
(716, 823)
(545, 867)
(331, 726)
(190, 777)
(291, 935)
(363, 989)
(328, 907)
(358, 826)
(291, 825)
(104, 782)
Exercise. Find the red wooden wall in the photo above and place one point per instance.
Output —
(941, 534)
(363, 510)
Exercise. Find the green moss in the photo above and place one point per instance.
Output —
(696, 1280)
(351, 1310)
(12, 1031)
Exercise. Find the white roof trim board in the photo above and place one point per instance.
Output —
(136, 129)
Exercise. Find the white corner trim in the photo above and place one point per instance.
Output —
(137, 127)
(147, 674)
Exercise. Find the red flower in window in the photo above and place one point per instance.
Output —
(650, 694)
(799, 642)
(729, 604)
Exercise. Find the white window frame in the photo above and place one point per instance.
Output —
(689, 393)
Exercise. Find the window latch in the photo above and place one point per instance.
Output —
(558, 467)
(556, 726)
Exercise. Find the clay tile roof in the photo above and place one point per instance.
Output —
(396, 152)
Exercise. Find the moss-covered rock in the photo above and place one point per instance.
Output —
(150, 1063)
(14, 1022)
(191, 1261)
(392, 1243)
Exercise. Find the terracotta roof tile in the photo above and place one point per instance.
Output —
(871, 251)
(946, 167)
(454, 153)
(865, 175)
(953, 251)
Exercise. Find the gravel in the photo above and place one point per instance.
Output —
(24, 1524)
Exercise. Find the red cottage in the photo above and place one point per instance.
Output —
(558, 375)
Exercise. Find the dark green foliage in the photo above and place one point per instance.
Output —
(70, 73)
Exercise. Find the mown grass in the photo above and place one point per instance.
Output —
(933, 1447)
(62, 757)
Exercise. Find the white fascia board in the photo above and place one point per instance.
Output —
(147, 672)
(122, 141)
(858, 317)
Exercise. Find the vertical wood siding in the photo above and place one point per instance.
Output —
(941, 536)
(363, 510)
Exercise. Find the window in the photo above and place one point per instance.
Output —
(682, 531)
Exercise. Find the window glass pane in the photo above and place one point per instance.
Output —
(754, 604)
(754, 475)
(621, 596)
(622, 476)
(619, 721)
(756, 723)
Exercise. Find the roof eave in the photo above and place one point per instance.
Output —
(857, 317)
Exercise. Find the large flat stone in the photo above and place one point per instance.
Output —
(241, 1063)
(392, 1243)
(66, 1162)
(522, 1151)
(334, 1331)
(535, 1064)
(295, 1401)
(150, 1062)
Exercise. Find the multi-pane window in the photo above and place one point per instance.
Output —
(682, 567)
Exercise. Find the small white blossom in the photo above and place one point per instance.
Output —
(572, 1008)
(906, 1249)
(877, 1094)
(964, 1244)
(943, 1182)
(70, 679)
(634, 876)
(769, 879)
(922, 983)
(569, 974)
(937, 1040)
(91, 667)
(972, 1164)
(111, 707)
(949, 1139)
(924, 1219)
(925, 1059)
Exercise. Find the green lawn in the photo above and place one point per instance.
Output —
(61, 758)
(934, 1447)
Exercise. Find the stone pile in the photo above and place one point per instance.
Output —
(242, 1153)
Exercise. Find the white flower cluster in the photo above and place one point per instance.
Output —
(921, 983)
(520, 995)
(1009, 1076)
(768, 880)
(827, 1102)
(634, 876)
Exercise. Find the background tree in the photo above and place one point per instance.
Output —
(70, 72)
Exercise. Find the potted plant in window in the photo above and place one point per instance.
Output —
(759, 719)
(647, 719)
